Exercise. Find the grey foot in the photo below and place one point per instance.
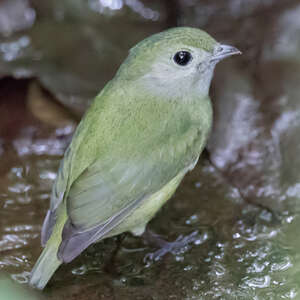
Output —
(178, 246)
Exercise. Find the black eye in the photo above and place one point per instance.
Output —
(182, 58)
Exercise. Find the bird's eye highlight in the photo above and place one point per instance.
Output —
(182, 58)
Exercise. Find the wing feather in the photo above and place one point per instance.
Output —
(75, 241)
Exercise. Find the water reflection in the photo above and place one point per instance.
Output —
(12, 50)
(101, 5)
(137, 6)
(15, 15)
(146, 12)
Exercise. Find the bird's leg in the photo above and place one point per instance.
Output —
(110, 265)
(178, 246)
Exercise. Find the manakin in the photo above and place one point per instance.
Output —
(141, 135)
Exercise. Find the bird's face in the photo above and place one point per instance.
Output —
(176, 62)
(183, 69)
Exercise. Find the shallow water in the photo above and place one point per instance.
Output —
(242, 199)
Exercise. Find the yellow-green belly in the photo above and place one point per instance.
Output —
(138, 219)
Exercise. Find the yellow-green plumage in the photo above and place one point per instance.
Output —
(141, 135)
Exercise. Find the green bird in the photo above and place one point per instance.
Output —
(140, 136)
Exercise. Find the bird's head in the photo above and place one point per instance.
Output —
(176, 61)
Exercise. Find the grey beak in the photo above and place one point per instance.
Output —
(223, 51)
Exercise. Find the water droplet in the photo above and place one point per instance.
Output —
(259, 282)
(80, 271)
(21, 277)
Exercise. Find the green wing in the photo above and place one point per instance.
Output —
(105, 194)
(110, 184)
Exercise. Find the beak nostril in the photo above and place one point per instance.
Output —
(223, 51)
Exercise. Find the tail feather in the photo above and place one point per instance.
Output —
(45, 266)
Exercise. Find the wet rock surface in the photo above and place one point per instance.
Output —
(241, 201)
(74, 47)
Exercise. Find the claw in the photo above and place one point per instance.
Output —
(179, 245)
